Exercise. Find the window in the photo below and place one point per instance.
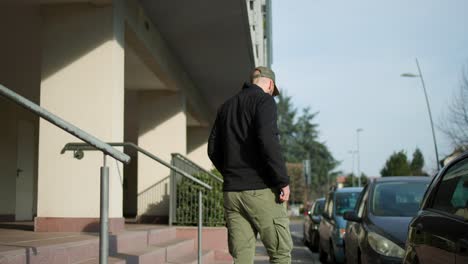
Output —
(399, 198)
(346, 201)
(452, 193)
(328, 208)
(319, 206)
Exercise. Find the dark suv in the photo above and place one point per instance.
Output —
(439, 233)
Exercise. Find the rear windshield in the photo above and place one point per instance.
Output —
(318, 210)
(345, 201)
(397, 198)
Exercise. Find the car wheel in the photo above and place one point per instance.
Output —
(332, 253)
(304, 240)
(314, 242)
(323, 257)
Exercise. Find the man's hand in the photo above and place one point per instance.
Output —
(284, 195)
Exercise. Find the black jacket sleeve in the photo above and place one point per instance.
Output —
(268, 138)
(215, 151)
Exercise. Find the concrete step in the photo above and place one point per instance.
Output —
(161, 235)
(208, 256)
(128, 241)
(223, 255)
(58, 249)
(137, 244)
(148, 255)
(177, 247)
(159, 253)
(111, 260)
(139, 238)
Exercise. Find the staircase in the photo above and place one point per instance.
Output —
(137, 244)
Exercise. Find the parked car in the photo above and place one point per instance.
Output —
(439, 233)
(332, 226)
(378, 226)
(311, 224)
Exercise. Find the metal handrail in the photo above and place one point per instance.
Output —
(87, 147)
(91, 140)
(187, 160)
(66, 126)
(78, 148)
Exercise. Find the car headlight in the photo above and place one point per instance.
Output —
(342, 232)
(383, 246)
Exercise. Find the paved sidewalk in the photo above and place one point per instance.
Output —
(300, 253)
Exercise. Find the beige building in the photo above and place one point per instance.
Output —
(151, 72)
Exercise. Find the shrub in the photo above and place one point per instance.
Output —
(187, 201)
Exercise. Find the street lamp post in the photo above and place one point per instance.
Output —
(358, 157)
(428, 108)
(353, 153)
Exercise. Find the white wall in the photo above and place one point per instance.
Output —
(197, 146)
(82, 81)
(162, 131)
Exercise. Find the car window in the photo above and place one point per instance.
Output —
(400, 198)
(345, 201)
(330, 205)
(327, 203)
(452, 192)
(363, 200)
(319, 206)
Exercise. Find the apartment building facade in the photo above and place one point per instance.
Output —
(151, 72)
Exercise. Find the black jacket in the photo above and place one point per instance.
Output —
(244, 144)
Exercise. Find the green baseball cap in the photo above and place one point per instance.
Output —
(267, 73)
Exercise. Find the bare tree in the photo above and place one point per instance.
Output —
(455, 124)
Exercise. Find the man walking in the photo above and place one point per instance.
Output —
(244, 147)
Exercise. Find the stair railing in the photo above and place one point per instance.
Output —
(91, 140)
(79, 148)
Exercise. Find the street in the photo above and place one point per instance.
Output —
(300, 253)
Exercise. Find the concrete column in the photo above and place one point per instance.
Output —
(83, 82)
(162, 131)
(197, 145)
(20, 71)
(7, 162)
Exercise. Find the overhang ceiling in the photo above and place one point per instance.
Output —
(211, 40)
(138, 76)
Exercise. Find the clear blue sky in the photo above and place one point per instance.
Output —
(344, 60)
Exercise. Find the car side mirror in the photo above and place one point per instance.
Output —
(316, 219)
(352, 216)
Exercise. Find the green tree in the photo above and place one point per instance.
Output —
(351, 177)
(417, 164)
(397, 165)
(306, 136)
(286, 125)
(299, 141)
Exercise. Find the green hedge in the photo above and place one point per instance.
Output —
(187, 202)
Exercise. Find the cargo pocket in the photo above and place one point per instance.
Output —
(285, 243)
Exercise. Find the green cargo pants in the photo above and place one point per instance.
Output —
(257, 211)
